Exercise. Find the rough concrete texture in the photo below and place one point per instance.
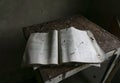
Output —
(15, 14)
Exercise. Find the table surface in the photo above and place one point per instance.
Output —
(106, 41)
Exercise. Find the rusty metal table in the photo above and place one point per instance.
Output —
(108, 42)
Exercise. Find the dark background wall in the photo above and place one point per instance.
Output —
(103, 11)
(15, 14)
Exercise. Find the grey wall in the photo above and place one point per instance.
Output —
(103, 11)
(15, 14)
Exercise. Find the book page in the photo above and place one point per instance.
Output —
(76, 46)
(100, 52)
(42, 48)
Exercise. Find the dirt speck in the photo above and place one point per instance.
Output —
(91, 38)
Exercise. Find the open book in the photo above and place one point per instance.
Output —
(63, 46)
